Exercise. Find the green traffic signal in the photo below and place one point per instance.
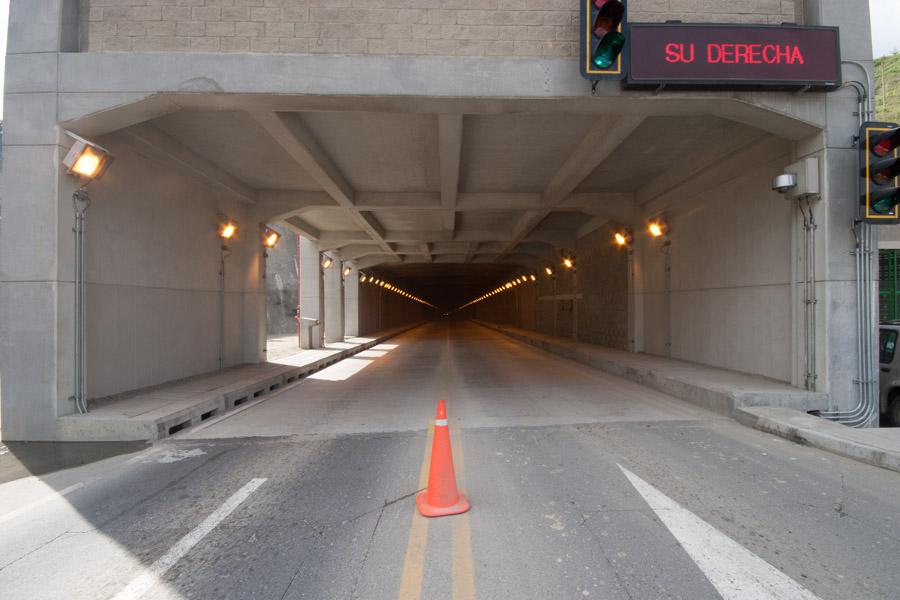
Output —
(885, 205)
(608, 49)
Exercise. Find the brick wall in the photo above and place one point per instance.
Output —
(409, 27)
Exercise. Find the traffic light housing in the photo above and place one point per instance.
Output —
(604, 26)
(879, 172)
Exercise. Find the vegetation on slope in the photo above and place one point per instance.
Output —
(887, 88)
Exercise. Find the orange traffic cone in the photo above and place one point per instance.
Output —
(441, 498)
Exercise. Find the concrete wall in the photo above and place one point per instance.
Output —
(153, 259)
(410, 27)
(281, 286)
(730, 301)
(730, 297)
(603, 288)
(380, 309)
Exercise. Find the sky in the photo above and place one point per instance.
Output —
(885, 25)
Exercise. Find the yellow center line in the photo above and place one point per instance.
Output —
(414, 562)
(463, 567)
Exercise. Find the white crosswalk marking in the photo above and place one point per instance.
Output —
(735, 572)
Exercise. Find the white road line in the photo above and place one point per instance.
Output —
(140, 585)
(735, 572)
(13, 514)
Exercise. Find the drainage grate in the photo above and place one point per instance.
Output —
(258, 393)
(240, 401)
(274, 386)
(176, 428)
(209, 414)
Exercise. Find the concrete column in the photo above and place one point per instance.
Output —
(351, 302)
(835, 274)
(334, 304)
(36, 269)
(254, 327)
(311, 294)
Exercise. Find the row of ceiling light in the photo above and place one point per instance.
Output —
(364, 278)
(622, 238)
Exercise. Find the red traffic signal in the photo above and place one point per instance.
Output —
(879, 172)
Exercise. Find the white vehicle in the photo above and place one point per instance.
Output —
(889, 378)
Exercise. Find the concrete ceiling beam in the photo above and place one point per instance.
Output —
(303, 228)
(697, 189)
(291, 134)
(591, 226)
(601, 141)
(377, 259)
(450, 132)
(159, 146)
(687, 170)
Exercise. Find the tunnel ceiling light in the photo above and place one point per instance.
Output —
(327, 261)
(271, 237)
(533, 277)
(548, 271)
(86, 159)
(347, 270)
(227, 229)
(568, 262)
(362, 277)
(657, 228)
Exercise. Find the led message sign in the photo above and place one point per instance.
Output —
(741, 56)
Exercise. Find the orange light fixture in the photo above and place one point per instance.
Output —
(86, 159)
(657, 228)
(270, 237)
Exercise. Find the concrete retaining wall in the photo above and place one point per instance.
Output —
(281, 286)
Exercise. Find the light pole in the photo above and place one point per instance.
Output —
(87, 161)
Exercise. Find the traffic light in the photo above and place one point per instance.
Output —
(879, 172)
(603, 30)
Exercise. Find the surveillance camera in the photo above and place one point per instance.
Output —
(784, 183)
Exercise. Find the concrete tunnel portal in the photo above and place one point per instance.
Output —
(445, 199)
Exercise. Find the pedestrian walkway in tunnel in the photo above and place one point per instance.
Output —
(582, 485)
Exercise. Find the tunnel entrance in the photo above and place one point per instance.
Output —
(401, 210)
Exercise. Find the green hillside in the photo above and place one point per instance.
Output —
(887, 88)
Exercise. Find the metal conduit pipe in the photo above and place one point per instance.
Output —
(80, 202)
(866, 409)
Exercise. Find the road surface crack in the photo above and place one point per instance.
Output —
(33, 550)
(365, 559)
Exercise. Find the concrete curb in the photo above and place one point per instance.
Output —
(91, 428)
(818, 433)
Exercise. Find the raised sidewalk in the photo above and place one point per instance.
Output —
(756, 402)
(163, 410)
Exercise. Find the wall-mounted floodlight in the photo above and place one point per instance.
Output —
(362, 277)
(568, 262)
(346, 272)
(86, 159)
(622, 239)
(533, 277)
(657, 228)
(227, 229)
(327, 261)
(271, 237)
(548, 271)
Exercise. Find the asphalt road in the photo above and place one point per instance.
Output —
(582, 485)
